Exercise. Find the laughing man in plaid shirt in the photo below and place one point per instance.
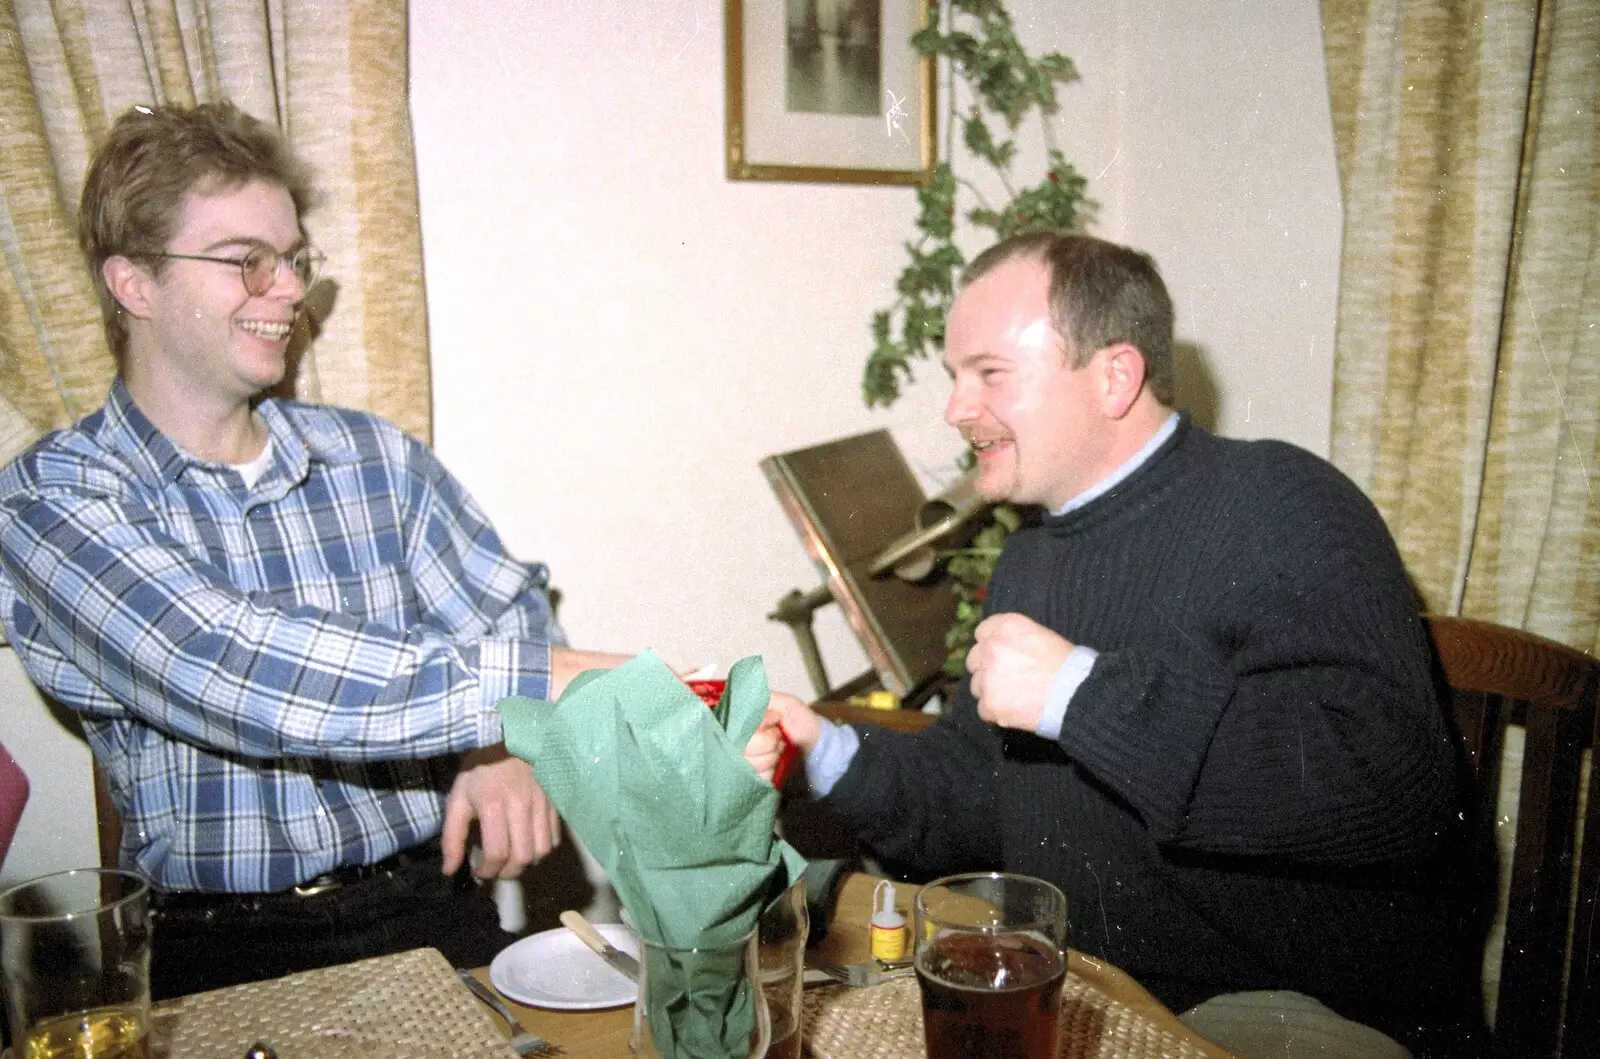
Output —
(285, 626)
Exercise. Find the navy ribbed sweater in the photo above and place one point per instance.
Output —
(1254, 787)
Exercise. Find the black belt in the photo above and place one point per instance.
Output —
(426, 854)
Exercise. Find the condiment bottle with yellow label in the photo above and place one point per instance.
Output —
(888, 925)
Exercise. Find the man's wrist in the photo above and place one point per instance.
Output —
(830, 758)
(1073, 672)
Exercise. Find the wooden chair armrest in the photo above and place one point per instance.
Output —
(899, 720)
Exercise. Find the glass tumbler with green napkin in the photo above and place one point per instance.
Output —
(658, 789)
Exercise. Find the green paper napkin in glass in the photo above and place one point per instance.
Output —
(657, 787)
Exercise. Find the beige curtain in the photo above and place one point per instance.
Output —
(330, 73)
(1467, 371)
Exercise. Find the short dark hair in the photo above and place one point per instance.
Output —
(150, 160)
(1100, 294)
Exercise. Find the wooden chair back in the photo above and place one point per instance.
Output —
(1499, 677)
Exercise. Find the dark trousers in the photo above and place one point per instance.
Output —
(208, 941)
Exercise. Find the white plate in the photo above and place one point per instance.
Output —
(554, 969)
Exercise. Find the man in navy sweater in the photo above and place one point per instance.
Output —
(1201, 698)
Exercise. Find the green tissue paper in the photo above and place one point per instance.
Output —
(656, 786)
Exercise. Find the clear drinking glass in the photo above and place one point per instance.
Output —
(704, 1003)
(991, 960)
(75, 954)
(782, 931)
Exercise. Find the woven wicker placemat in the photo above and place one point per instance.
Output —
(885, 1022)
(408, 1005)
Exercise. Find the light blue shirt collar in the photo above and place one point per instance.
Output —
(1121, 474)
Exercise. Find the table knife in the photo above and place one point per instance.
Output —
(608, 952)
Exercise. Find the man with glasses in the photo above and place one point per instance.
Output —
(285, 626)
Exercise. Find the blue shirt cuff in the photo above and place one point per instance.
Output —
(1072, 673)
(836, 748)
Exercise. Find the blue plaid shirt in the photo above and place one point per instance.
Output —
(277, 680)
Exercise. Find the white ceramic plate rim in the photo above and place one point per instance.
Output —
(540, 970)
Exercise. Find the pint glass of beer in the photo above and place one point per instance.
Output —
(990, 961)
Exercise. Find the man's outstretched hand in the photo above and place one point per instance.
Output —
(800, 722)
(766, 744)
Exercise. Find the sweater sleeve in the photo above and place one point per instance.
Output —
(925, 800)
(1293, 717)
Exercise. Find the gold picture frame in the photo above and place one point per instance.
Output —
(801, 89)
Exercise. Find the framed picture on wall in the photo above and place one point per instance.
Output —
(829, 91)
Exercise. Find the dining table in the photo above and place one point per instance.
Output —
(1121, 1019)
(414, 1005)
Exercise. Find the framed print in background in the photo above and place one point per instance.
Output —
(829, 91)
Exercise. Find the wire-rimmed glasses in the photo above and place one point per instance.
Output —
(259, 268)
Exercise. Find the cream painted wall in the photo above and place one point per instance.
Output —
(620, 334)
(57, 829)
(1227, 175)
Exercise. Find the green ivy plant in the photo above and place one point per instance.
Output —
(1001, 87)
(968, 569)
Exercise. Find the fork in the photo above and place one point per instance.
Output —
(522, 1041)
(872, 972)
